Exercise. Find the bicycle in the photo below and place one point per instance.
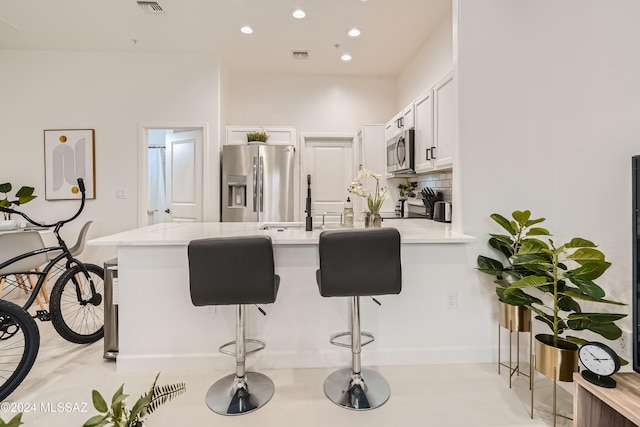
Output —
(19, 345)
(76, 307)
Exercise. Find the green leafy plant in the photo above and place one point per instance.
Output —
(521, 230)
(408, 189)
(23, 195)
(118, 415)
(13, 422)
(257, 136)
(565, 272)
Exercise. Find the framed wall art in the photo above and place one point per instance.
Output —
(69, 154)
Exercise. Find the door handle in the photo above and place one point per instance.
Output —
(261, 168)
(255, 183)
(167, 211)
(433, 153)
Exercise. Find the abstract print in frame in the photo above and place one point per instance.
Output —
(69, 155)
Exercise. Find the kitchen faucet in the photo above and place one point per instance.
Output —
(308, 226)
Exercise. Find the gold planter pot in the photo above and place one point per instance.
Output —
(515, 318)
(556, 362)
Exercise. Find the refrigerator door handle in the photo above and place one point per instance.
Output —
(255, 183)
(261, 185)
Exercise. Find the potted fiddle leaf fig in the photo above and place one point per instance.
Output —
(567, 273)
(513, 307)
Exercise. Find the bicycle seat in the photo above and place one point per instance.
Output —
(17, 243)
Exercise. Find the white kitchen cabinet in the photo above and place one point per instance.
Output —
(404, 120)
(435, 122)
(277, 135)
(444, 123)
(408, 117)
(393, 127)
(424, 146)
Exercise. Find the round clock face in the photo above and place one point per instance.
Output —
(599, 359)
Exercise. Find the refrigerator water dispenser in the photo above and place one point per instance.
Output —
(237, 194)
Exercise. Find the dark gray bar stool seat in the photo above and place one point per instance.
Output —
(235, 271)
(353, 264)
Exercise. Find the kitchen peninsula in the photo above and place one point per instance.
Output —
(160, 329)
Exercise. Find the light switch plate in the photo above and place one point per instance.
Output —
(121, 193)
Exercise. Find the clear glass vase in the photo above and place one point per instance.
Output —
(372, 220)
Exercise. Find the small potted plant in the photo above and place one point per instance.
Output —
(118, 415)
(13, 422)
(407, 190)
(260, 137)
(22, 196)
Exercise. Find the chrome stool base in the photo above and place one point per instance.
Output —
(360, 392)
(231, 395)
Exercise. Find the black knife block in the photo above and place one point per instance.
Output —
(429, 204)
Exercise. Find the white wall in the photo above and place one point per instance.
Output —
(311, 103)
(112, 93)
(549, 98)
(430, 63)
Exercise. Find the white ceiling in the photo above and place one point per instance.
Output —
(392, 30)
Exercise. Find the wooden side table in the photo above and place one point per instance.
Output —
(595, 406)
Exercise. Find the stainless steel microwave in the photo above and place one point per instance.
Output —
(400, 152)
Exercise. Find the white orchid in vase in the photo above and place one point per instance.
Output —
(374, 199)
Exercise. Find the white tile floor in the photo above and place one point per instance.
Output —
(433, 395)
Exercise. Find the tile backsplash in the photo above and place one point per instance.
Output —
(439, 181)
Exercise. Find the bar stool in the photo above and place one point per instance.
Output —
(358, 263)
(235, 271)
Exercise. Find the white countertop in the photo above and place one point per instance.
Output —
(181, 233)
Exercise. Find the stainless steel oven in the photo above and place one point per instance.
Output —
(400, 152)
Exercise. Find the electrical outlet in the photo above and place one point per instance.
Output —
(452, 301)
(212, 309)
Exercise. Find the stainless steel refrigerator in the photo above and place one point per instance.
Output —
(257, 183)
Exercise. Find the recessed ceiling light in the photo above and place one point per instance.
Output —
(353, 32)
(298, 13)
(345, 57)
(246, 30)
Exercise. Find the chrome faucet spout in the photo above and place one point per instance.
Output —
(309, 219)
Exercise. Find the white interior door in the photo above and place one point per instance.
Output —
(330, 163)
(184, 176)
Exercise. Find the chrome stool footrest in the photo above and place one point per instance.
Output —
(334, 339)
(260, 346)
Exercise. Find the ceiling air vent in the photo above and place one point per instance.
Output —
(300, 54)
(151, 7)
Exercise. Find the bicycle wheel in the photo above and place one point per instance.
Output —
(80, 322)
(19, 344)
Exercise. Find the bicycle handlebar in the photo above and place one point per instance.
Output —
(58, 223)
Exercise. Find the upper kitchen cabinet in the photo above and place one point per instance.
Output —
(408, 117)
(405, 119)
(237, 135)
(424, 147)
(434, 127)
(444, 117)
